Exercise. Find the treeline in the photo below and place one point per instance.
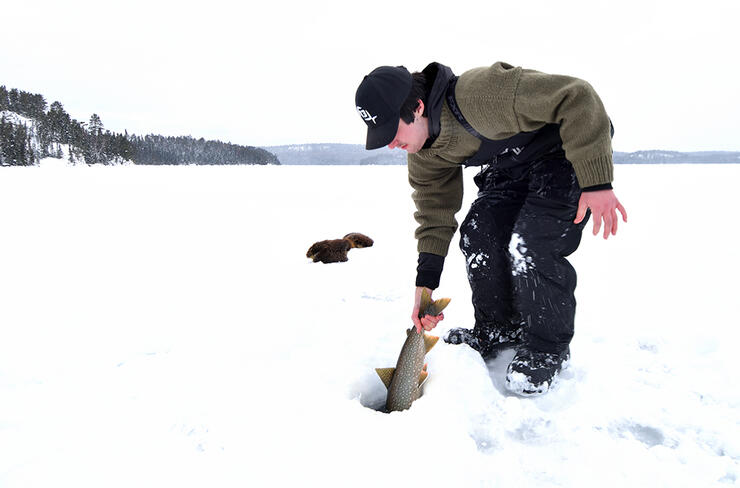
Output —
(30, 132)
(154, 149)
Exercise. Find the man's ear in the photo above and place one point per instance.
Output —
(419, 110)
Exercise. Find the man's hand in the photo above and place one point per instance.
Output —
(603, 205)
(427, 322)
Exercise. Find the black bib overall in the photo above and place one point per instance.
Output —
(517, 235)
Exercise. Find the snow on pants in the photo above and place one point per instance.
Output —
(515, 239)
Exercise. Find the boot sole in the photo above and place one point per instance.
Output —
(522, 387)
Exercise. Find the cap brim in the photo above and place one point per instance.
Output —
(382, 135)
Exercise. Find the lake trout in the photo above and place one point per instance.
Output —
(405, 381)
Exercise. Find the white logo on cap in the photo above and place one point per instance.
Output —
(366, 115)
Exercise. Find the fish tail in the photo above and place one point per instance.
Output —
(429, 307)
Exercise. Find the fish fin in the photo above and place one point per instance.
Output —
(426, 300)
(429, 307)
(423, 377)
(386, 375)
(440, 305)
(429, 342)
(425, 367)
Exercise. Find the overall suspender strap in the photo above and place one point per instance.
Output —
(452, 102)
(519, 147)
(495, 146)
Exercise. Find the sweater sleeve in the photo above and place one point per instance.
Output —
(438, 191)
(585, 128)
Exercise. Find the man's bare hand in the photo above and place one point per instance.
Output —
(604, 206)
(428, 322)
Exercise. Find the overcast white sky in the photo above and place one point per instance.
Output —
(280, 72)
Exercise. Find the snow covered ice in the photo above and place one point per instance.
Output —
(161, 326)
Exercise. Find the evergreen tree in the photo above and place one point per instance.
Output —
(44, 136)
(4, 102)
(96, 141)
(34, 105)
(95, 127)
(8, 146)
(31, 158)
(5, 131)
(78, 142)
(15, 145)
(13, 100)
(20, 148)
(59, 123)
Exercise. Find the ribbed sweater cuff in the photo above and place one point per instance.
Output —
(433, 245)
(594, 172)
(429, 270)
(605, 186)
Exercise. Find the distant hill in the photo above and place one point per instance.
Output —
(355, 154)
(673, 157)
(335, 154)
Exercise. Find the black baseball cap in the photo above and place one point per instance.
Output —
(378, 100)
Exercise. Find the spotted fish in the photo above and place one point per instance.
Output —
(405, 381)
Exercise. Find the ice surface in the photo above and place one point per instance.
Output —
(162, 326)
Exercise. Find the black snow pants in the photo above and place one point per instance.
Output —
(515, 239)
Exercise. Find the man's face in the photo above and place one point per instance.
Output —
(411, 137)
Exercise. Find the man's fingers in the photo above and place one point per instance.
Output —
(607, 225)
(607, 216)
(417, 322)
(604, 206)
(582, 207)
(428, 322)
(597, 221)
(615, 222)
(622, 211)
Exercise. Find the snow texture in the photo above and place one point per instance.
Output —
(519, 382)
(161, 326)
(520, 262)
(476, 260)
(16, 119)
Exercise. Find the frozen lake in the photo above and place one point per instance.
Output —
(161, 326)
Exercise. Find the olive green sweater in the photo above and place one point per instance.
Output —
(500, 101)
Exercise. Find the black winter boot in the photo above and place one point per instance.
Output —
(533, 372)
(488, 343)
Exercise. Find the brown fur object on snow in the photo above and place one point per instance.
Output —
(335, 250)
